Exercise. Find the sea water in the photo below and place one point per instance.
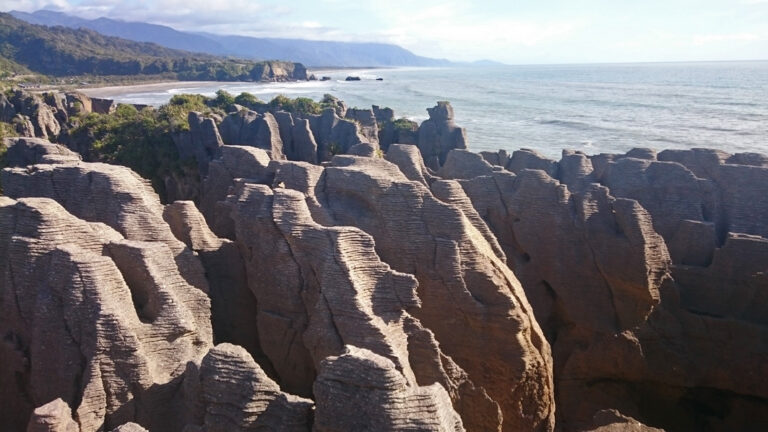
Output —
(592, 108)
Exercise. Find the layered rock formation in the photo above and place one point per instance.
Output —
(431, 289)
(640, 279)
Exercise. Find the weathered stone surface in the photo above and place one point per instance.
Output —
(103, 106)
(614, 421)
(530, 159)
(202, 142)
(304, 145)
(103, 323)
(401, 131)
(285, 126)
(668, 191)
(55, 416)
(113, 195)
(129, 427)
(78, 103)
(238, 396)
(438, 135)
(236, 162)
(360, 390)
(363, 149)
(671, 322)
(463, 164)
(249, 128)
(333, 134)
(29, 151)
(484, 297)
(408, 159)
(7, 110)
(497, 158)
(39, 113)
(369, 127)
(233, 307)
(320, 288)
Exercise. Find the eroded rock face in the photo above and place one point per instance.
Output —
(333, 134)
(41, 115)
(236, 162)
(629, 322)
(232, 304)
(377, 397)
(320, 288)
(29, 151)
(202, 142)
(249, 128)
(110, 194)
(438, 135)
(105, 324)
(446, 253)
(236, 395)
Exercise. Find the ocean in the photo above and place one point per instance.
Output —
(592, 108)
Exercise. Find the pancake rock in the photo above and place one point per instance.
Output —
(113, 195)
(438, 135)
(249, 128)
(232, 305)
(105, 324)
(460, 275)
(381, 400)
(29, 151)
(236, 395)
(320, 288)
(629, 321)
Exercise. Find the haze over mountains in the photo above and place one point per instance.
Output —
(309, 52)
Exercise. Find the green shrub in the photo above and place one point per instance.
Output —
(140, 140)
(249, 101)
(222, 100)
(176, 111)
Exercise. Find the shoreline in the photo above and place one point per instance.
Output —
(114, 90)
(108, 91)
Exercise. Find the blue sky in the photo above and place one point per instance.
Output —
(515, 32)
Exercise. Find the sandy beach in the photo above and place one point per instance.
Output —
(111, 91)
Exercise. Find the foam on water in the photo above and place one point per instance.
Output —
(594, 108)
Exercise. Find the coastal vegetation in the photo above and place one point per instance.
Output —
(66, 52)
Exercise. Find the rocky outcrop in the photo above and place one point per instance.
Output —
(333, 134)
(382, 400)
(41, 115)
(236, 162)
(369, 127)
(103, 106)
(202, 142)
(104, 323)
(598, 240)
(321, 288)
(483, 294)
(232, 305)
(29, 151)
(236, 395)
(110, 194)
(249, 128)
(438, 135)
(7, 110)
(463, 164)
(278, 71)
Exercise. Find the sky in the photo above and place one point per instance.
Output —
(508, 31)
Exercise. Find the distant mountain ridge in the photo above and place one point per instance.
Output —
(62, 51)
(307, 52)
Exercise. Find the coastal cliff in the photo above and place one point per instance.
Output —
(323, 275)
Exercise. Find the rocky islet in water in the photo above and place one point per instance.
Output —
(337, 271)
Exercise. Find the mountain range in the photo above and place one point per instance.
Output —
(308, 52)
(61, 51)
